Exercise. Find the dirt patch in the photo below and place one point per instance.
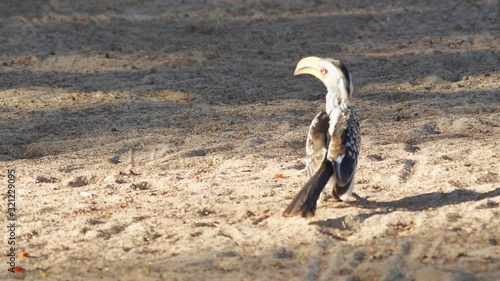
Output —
(162, 141)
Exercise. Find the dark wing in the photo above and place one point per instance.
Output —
(345, 170)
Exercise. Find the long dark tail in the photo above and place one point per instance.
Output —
(304, 203)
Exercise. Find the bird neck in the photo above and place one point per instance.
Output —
(338, 86)
(335, 102)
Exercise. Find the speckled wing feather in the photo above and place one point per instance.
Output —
(316, 144)
(345, 169)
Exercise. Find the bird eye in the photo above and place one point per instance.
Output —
(323, 71)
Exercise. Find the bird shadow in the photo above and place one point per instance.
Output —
(429, 200)
(415, 203)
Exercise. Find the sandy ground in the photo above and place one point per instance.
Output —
(149, 139)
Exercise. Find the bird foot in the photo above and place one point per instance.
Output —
(359, 199)
(322, 199)
(353, 198)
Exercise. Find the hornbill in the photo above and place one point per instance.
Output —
(333, 140)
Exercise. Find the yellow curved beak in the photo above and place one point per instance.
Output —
(309, 65)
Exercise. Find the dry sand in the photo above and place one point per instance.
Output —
(148, 138)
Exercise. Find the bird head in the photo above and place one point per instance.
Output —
(333, 73)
